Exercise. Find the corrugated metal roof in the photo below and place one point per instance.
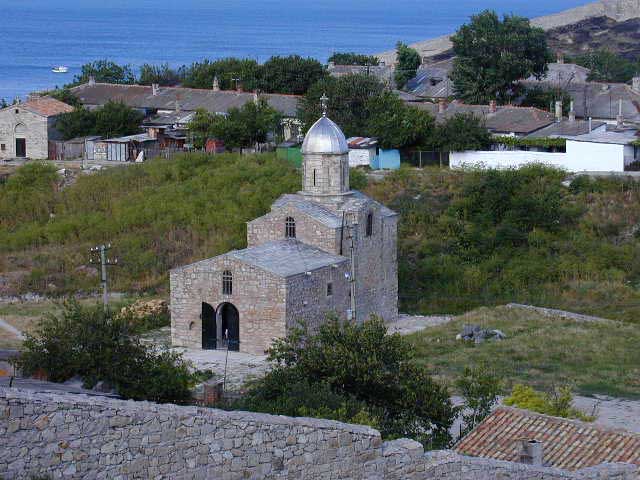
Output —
(567, 444)
(614, 137)
(566, 128)
(362, 142)
(189, 99)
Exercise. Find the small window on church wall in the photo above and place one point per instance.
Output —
(314, 177)
(329, 289)
(290, 227)
(369, 228)
(3, 147)
(227, 282)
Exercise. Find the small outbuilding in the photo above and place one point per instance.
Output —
(362, 151)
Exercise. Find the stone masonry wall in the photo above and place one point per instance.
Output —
(34, 130)
(75, 436)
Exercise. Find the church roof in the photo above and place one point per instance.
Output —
(325, 137)
(313, 209)
(286, 258)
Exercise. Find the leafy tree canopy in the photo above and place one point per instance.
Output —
(163, 75)
(606, 66)
(461, 132)
(371, 372)
(351, 58)
(492, 54)
(64, 95)
(229, 71)
(114, 119)
(397, 125)
(105, 71)
(545, 98)
(408, 61)
(347, 105)
(292, 74)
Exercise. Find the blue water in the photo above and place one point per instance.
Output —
(38, 34)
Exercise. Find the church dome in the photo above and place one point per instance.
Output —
(325, 137)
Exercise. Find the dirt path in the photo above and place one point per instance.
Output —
(11, 329)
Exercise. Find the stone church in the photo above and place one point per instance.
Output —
(324, 249)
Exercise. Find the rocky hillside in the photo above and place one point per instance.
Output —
(613, 23)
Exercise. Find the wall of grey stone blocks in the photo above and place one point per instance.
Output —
(76, 436)
(36, 132)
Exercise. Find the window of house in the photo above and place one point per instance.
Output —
(17, 111)
(290, 228)
(227, 282)
(369, 227)
(329, 289)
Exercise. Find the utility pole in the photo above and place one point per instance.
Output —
(104, 263)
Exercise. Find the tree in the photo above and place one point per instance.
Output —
(99, 346)
(351, 58)
(558, 402)
(372, 373)
(492, 54)
(461, 132)
(292, 74)
(240, 127)
(606, 66)
(115, 119)
(480, 389)
(347, 105)
(408, 62)
(105, 71)
(397, 125)
(64, 95)
(78, 123)
(230, 72)
(545, 98)
(161, 74)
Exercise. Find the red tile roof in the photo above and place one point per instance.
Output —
(567, 444)
(45, 106)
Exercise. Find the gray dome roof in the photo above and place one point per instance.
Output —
(325, 137)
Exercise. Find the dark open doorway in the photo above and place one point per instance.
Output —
(208, 327)
(21, 147)
(230, 318)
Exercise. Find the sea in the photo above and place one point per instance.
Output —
(36, 35)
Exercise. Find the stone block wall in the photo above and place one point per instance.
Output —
(34, 128)
(76, 436)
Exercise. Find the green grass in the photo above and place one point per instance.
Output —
(593, 358)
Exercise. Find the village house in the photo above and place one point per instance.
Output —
(515, 435)
(155, 100)
(27, 128)
(326, 249)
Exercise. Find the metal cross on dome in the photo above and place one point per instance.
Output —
(323, 102)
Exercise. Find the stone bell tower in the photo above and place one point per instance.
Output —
(325, 158)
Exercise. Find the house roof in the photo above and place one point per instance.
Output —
(567, 444)
(286, 258)
(563, 74)
(189, 99)
(169, 119)
(45, 106)
(362, 142)
(602, 100)
(313, 209)
(505, 119)
(432, 81)
(566, 128)
(384, 73)
(618, 137)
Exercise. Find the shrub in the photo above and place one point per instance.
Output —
(558, 403)
(99, 346)
(350, 371)
(480, 388)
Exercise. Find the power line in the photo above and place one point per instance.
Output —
(98, 254)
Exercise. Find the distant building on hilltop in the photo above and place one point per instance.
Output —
(324, 249)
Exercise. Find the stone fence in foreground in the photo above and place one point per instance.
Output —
(76, 436)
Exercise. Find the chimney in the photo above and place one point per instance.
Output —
(619, 117)
(559, 57)
(331, 65)
(92, 80)
(558, 110)
(155, 88)
(216, 84)
(531, 452)
(442, 105)
(635, 84)
(177, 106)
(572, 113)
(493, 106)
(590, 125)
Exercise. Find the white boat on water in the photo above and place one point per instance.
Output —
(60, 69)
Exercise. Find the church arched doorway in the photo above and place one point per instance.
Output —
(229, 319)
(209, 331)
